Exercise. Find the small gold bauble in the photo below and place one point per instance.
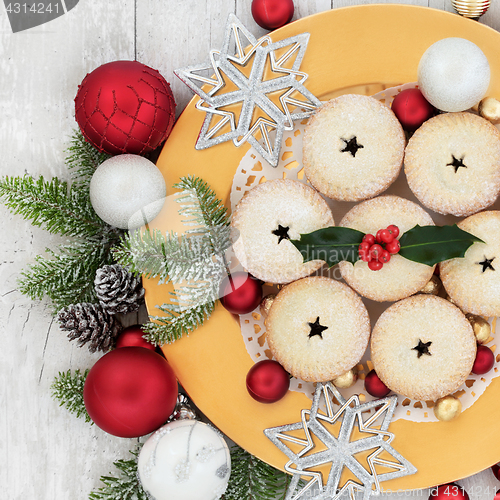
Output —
(447, 408)
(482, 329)
(432, 287)
(346, 380)
(266, 303)
(473, 9)
(489, 108)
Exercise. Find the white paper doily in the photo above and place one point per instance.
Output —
(254, 170)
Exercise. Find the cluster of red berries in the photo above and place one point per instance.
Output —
(377, 250)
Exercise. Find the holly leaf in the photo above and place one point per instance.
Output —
(432, 244)
(331, 244)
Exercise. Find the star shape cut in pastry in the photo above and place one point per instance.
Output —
(487, 264)
(361, 444)
(317, 328)
(251, 94)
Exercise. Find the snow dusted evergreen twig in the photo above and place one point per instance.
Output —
(124, 487)
(65, 276)
(194, 261)
(68, 389)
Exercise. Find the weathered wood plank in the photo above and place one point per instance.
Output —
(48, 453)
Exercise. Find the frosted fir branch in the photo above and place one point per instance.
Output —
(82, 159)
(201, 203)
(53, 205)
(252, 479)
(144, 253)
(125, 486)
(66, 277)
(67, 388)
(176, 322)
(172, 257)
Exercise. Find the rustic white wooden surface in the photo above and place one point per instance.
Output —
(45, 452)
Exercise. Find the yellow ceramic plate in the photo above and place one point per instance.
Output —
(352, 47)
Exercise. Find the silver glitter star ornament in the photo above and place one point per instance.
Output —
(271, 91)
(371, 419)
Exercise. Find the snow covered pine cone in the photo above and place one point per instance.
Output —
(90, 323)
(118, 290)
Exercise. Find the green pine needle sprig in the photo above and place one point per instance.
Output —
(200, 203)
(253, 479)
(145, 253)
(67, 388)
(66, 277)
(194, 261)
(176, 322)
(53, 205)
(125, 486)
(82, 159)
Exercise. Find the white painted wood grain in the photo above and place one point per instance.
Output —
(46, 453)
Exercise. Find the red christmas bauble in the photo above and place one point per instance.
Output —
(497, 495)
(375, 386)
(130, 392)
(267, 381)
(496, 470)
(272, 14)
(448, 491)
(412, 109)
(125, 107)
(485, 359)
(132, 336)
(240, 293)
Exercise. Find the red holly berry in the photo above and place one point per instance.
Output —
(375, 251)
(385, 236)
(363, 249)
(394, 230)
(369, 238)
(375, 265)
(385, 257)
(393, 247)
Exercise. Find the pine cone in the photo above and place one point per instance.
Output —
(90, 323)
(118, 290)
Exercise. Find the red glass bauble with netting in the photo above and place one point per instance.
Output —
(125, 107)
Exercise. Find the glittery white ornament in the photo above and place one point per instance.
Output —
(453, 74)
(185, 460)
(127, 191)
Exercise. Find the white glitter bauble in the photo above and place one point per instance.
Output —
(127, 191)
(453, 74)
(185, 460)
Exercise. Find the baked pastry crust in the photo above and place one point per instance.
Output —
(472, 289)
(423, 319)
(400, 277)
(256, 219)
(339, 174)
(452, 164)
(330, 303)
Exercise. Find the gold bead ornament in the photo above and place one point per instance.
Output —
(346, 380)
(473, 9)
(447, 408)
(432, 287)
(266, 303)
(481, 327)
(489, 108)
